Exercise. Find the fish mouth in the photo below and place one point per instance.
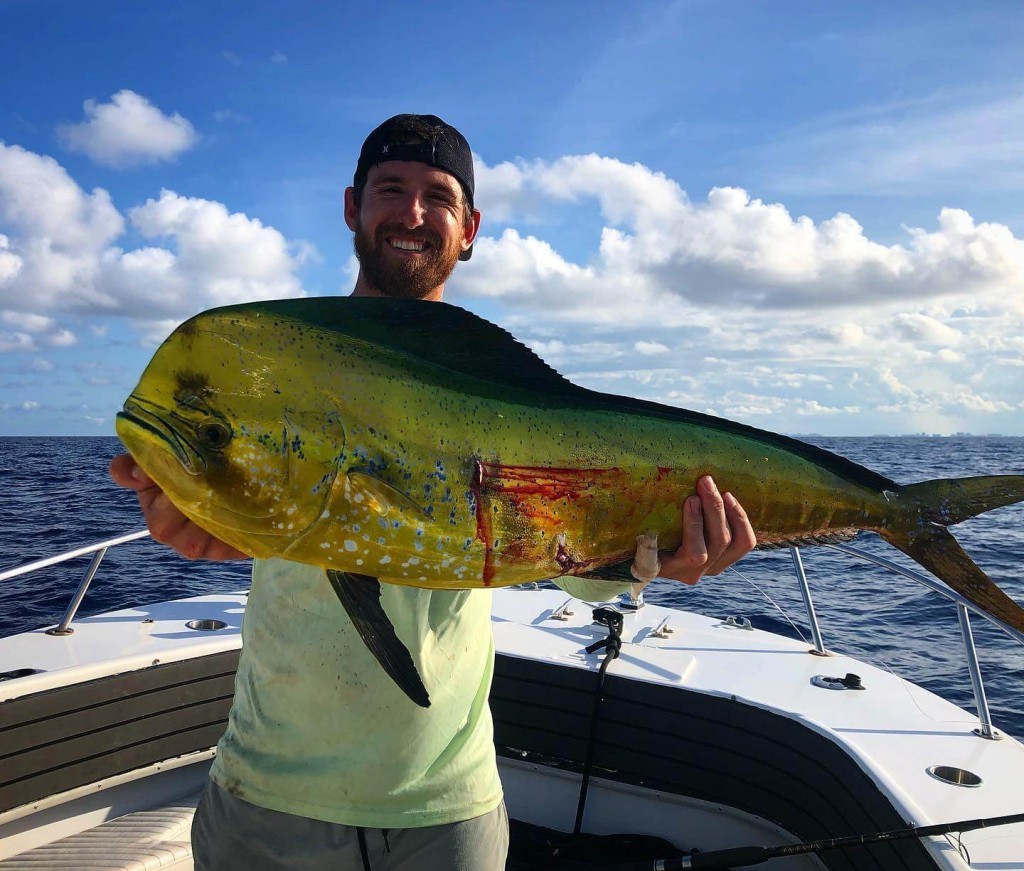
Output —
(145, 416)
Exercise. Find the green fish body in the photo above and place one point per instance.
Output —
(416, 443)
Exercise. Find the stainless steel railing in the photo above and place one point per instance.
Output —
(963, 609)
(98, 550)
(963, 606)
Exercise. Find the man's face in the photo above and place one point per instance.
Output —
(409, 228)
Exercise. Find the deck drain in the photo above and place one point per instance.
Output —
(206, 625)
(956, 776)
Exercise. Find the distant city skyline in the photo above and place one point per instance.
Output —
(810, 221)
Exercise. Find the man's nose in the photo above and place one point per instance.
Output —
(413, 210)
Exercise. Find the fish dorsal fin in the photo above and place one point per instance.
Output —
(437, 332)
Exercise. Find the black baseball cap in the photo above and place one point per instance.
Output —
(422, 139)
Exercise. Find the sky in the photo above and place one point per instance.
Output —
(805, 216)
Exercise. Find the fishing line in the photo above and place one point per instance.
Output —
(957, 843)
(775, 604)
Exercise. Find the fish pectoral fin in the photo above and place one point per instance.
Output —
(360, 597)
(384, 499)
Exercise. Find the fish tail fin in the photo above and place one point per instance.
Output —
(931, 506)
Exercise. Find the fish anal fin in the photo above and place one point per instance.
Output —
(825, 536)
(617, 572)
(360, 597)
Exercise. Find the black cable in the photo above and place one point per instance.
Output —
(612, 644)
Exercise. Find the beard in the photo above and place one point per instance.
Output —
(402, 278)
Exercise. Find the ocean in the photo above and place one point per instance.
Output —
(55, 495)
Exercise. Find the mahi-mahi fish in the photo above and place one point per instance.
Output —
(415, 443)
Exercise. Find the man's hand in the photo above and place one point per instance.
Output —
(716, 533)
(166, 523)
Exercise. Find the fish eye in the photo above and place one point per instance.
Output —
(214, 435)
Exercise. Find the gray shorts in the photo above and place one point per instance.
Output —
(229, 834)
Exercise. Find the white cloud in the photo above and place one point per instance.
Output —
(28, 322)
(62, 339)
(770, 317)
(525, 267)
(279, 57)
(650, 349)
(228, 257)
(63, 239)
(10, 263)
(128, 131)
(16, 342)
(731, 250)
(926, 329)
(29, 405)
(29, 329)
(975, 402)
(41, 202)
(847, 333)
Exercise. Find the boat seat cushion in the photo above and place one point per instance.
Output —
(140, 841)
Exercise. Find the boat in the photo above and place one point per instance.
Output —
(625, 725)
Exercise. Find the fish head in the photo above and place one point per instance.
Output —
(229, 422)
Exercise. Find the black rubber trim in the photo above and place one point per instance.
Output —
(57, 740)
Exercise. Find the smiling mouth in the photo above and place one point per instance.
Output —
(416, 245)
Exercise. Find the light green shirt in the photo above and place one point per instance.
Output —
(319, 730)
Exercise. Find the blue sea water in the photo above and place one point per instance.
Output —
(55, 495)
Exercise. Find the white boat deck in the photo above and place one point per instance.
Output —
(897, 729)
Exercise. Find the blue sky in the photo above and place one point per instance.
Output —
(806, 216)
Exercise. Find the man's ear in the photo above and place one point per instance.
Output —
(352, 210)
(469, 235)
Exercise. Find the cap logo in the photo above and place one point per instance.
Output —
(384, 149)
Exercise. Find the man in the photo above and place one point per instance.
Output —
(325, 762)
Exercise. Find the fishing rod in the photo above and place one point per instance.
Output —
(742, 857)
